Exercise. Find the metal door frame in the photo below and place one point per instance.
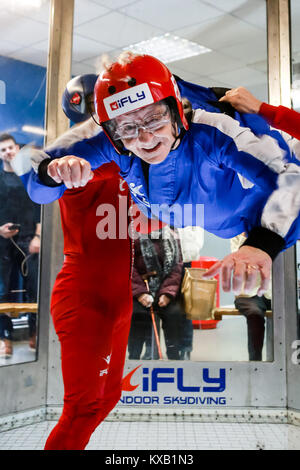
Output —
(24, 387)
(258, 391)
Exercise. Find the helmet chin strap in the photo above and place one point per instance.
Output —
(178, 138)
(175, 141)
(92, 116)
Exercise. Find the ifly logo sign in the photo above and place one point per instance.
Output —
(128, 100)
(2, 92)
(168, 386)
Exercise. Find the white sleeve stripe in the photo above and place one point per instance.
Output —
(26, 159)
(283, 205)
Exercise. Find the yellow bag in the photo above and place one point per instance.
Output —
(199, 294)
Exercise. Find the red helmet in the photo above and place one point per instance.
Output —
(126, 87)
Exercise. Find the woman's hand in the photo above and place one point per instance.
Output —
(70, 170)
(163, 300)
(243, 265)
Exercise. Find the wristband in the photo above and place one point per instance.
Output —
(266, 240)
(43, 175)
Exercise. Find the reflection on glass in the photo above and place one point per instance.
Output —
(295, 42)
(20, 230)
(298, 285)
(23, 58)
(235, 54)
(233, 36)
(200, 322)
(295, 94)
(156, 282)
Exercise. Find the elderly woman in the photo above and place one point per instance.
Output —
(245, 183)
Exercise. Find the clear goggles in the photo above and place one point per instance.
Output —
(151, 124)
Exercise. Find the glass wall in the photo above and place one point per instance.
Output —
(23, 60)
(295, 92)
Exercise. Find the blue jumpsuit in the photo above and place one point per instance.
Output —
(221, 177)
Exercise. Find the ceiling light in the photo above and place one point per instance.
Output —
(21, 5)
(168, 48)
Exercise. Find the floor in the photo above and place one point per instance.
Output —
(166, 436)
(227, 342)
(178, 435)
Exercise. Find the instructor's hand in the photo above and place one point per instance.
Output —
(244, 265)
(242, 100)
(70, 170)
(163, 300)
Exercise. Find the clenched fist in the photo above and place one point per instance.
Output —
(70, 170)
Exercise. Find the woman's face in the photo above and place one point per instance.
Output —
(152, 146)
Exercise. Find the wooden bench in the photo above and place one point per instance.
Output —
(15, 309)
(218, 312)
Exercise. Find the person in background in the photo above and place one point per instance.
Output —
(158, 260)
(20, 231)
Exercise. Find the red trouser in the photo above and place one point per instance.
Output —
(91, 309)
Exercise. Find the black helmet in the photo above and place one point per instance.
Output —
(74, 103)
